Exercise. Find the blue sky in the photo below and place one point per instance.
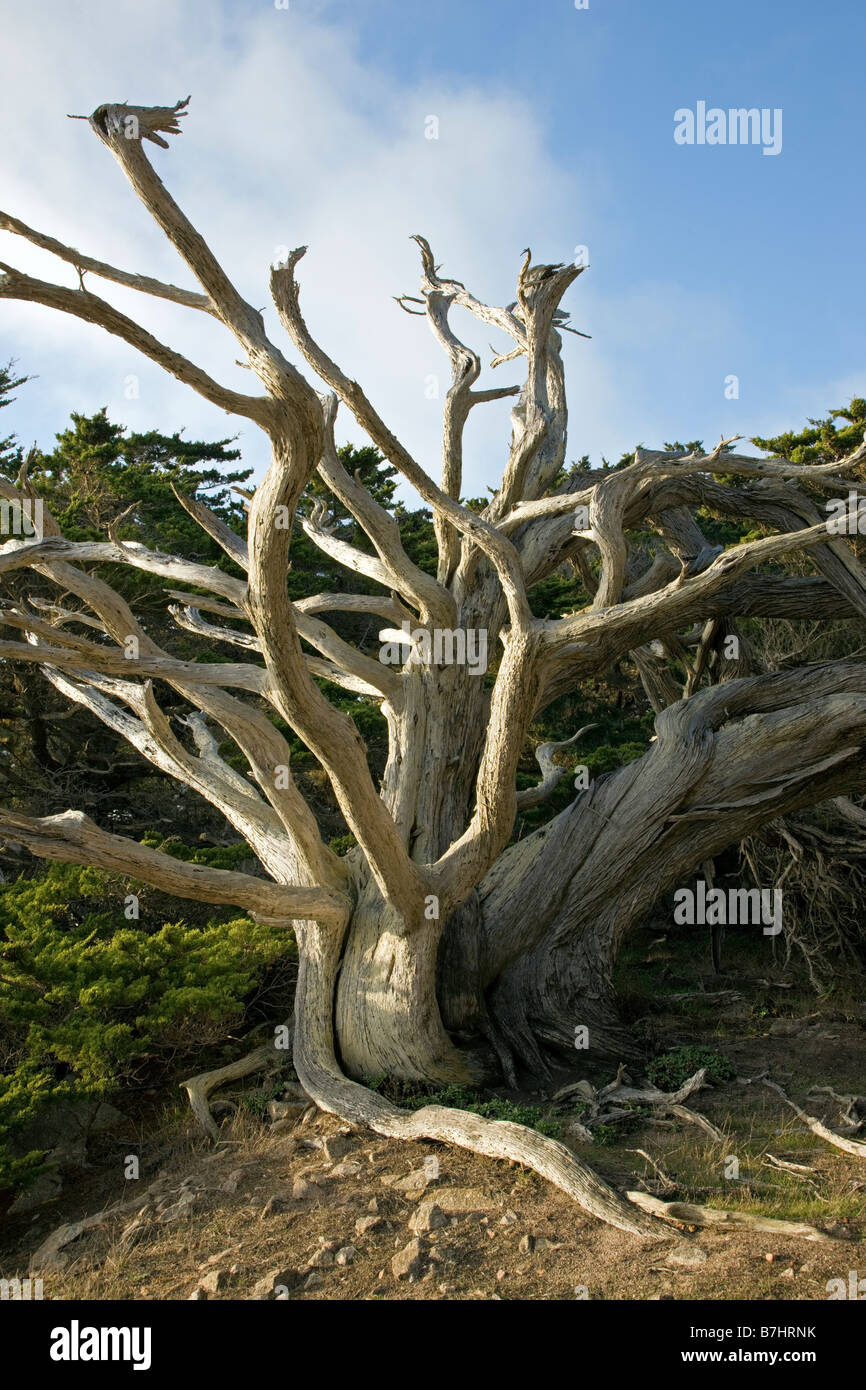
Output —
(555, 131)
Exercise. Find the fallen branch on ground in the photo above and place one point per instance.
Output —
(688, 1214)
(849, 1146)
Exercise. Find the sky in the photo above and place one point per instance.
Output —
(554, 128)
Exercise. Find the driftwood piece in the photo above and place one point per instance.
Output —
(688, 1214)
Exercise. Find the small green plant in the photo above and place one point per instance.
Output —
(604, 1134)
(672, 1069)
(256, 1102)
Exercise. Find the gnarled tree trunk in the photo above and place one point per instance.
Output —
(437, 949)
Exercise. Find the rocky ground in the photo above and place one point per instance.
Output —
(293, 1204)
(326, 1212)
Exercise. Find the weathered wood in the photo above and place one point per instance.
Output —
(689, 1214)
(437, 949)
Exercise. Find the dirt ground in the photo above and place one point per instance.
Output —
(325, 1212)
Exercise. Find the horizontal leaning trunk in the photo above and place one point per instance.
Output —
(436, 950)
(635, 835)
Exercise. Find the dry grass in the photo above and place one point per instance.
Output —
(801, 1043)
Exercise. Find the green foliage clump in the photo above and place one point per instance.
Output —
(670, 1070)
(832, 437)
(87, 998)
(609, 757)
(341, 844)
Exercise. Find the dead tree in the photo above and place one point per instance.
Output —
(437, 927)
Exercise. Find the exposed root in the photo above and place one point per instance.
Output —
(820, 856)
(321, 1077)
(849, 1146)
(604, 1102)
(687, 1213)
(639, 1213)
(494, 1138)
(199, 1088)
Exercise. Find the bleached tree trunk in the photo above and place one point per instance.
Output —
(436, 949)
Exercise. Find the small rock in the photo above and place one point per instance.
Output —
(197, 1295)
(509, 1218)
(215, 1281)
(180, 1208)
(414, 1183)
(282, 1126)
(527, 1243)
(43, 1189)
(365, 1224)
(285, 1110)
(346, 1169)
(787, 1273)
(273, 1283)
(273, 1206)
(410, 1261)
(338, 1145)
(107, 1118)
(769, 1257)
(302, 1190)
(500, 1275)
(323, 1259)
(292, 1091)
(687, 1256)
(449, 1204)
(428, 1217)
(312, 1280)
(346, 1255)
(218, 1258)
(372, 1205)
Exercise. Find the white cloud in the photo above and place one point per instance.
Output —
(292, 139)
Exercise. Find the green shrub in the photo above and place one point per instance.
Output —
(670, 1070)
(87, 998)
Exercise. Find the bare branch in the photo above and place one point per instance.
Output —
(233, 545)
(465, 369)
(189, 298)
(73, 838)
(345, 665)
(123, 128)
(503, 555)
(327, 732)
(24, 554)
(84, 305)
(551, 773)
(431, 597)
